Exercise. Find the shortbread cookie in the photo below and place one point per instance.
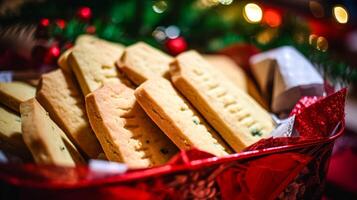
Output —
(177, 118)
(140, 62)
(63, 60)
(87, 39)
(46, 141)
(237, 76)
(228, 67)
(10, 133)
(233, 113)
(94, 65)
(126, 133)
(255, 94)
(14, 93)
(60, 95)
(90, 39)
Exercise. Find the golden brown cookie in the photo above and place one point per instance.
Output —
(46, 141)
(234, 114)
(90, 39)
(126, 133)
(229, 68)
(63, 60)
(10, 133)
(177, 118)
(94, 64)
(60, 95)
(140, 62)
(14, 93)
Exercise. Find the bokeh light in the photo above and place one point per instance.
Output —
(252, 13)
(322, 44)
(272, 18)
(341, 14)
(172, 32)
(225, 2)
(159, 6)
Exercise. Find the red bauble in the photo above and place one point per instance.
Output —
(272, 17)
(61, 23)
(176, 45)
(45, 22)
(51, 55)
(84, 13)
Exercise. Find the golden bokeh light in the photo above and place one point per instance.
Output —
(322, 44)
(159, 6)
(341, 14)
(252, 13)
(313, 39)
(226, 2)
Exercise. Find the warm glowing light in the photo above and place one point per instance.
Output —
(340, 14)
(55, 51)
(45, 22)
(272, 18)
(321, 44)
(252, 13)
(225, 2)
(266, 36)
(159, 6)
(206, 3)
(312, 39)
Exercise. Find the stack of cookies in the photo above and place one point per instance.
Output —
(132, 104)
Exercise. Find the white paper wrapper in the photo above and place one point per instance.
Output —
(287, 75)
(103, 166)
(285, 128)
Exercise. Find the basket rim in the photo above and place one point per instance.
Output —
(146, 173)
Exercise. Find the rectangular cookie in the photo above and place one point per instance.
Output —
(90, 39)
(237, 76)
(229, 68)
(86, 39)
(60, 95)
(46, 141)
(140, 62)
(233, 113)
(177, 118)
(63, 60)
(11, 135)
(14, 93)
(126, 133)
(94, 64)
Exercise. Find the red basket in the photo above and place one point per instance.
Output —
(274, 168)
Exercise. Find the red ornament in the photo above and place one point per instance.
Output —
(84, 13)
(272, 17)
(61, 23)
(51, 55)
(45, 22)
(55, 51)
(176, 45)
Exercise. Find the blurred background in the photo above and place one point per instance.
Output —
(33, 34)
